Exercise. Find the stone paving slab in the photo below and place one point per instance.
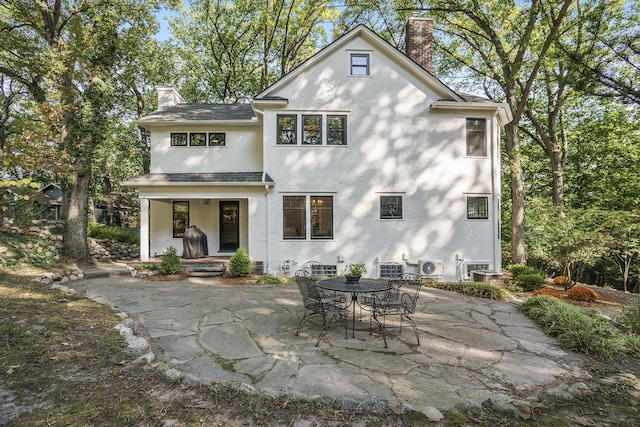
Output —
(471, 349)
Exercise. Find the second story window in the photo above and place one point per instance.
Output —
(179, 139)
(336, 130)
(217, 139)
(359, 64)
(287, 129)
(198, 139)
(312, 130)
(476, 140)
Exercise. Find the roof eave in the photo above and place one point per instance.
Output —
(501, 110)
(243, 122)
(139, 184)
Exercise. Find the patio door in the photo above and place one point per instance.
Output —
(229, 225)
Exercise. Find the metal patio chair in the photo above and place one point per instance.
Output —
(318, 305)
(400, 300)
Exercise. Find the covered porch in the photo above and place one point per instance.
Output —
(229, 208)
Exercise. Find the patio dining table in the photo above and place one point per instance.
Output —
(364, 286)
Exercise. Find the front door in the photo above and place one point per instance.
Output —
(229, 225)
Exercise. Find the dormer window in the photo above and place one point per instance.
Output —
(359, 64)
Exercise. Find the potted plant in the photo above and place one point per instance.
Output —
(354, 271)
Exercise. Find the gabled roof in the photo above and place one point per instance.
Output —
(216, 178)
(448, 98)
(189, 113)
(382, 46)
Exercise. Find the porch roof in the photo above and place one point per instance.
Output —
(191, 113)
(216, 178)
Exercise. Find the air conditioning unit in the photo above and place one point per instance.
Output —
(431, 268)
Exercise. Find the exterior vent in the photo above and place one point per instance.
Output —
(431, 268)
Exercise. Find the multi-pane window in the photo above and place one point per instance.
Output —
(287, 129)
(198, 139)
(179, 139)
(390, 207)
(359, 64)
(319, 211)
(476, 140)
(294, 209)
(321, 217)
(217, 139)
(312, 130)
(477, 207)
(324, 270)
(180, 218)
(336, 130)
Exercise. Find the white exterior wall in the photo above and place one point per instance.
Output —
(396, 145)
(242, 153)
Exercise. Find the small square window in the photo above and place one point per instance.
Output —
(476, 141)
(477, 207)
(217, 139)
(198, 139)
(179, 139)
(287, 129)
(359, 64)
(390, 207)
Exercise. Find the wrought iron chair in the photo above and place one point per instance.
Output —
(395, 283)
(316, 303)
(400, 300)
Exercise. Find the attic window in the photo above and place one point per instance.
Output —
(359, 64)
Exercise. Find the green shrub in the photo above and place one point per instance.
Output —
(268, 279)
(476, 289)
(576, 329)
(530, 281)
(631, 318)
(631, 344)
(240, 263)
(125, 235)
(148, 266)
(169, 261)
(520, 269)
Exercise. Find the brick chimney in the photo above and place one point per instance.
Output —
(419, 41)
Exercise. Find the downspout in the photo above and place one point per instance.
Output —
(268, 207)
(495, 169)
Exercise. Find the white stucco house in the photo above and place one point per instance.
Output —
(358, 154)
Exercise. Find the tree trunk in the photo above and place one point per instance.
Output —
(518, 251)
(75, 239)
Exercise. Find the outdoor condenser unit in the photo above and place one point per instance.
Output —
(431, 267)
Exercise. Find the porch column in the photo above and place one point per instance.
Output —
(144, 229)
